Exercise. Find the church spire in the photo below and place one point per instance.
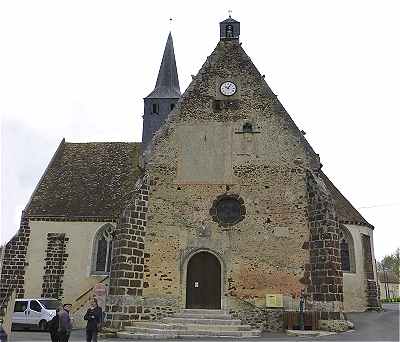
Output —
(167, 85)
(164, 97)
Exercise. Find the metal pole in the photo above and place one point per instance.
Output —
(302, 310)
(386, 283)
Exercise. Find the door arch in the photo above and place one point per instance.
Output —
(203, 282)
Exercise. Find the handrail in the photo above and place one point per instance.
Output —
(87, 291)
(250, 303)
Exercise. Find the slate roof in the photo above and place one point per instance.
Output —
(87, 180)
(344, 209)
(229, 20)
(167, 85)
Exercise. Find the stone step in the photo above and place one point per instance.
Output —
(203, 311)
(221, 315)
(210, 321)
(137, 325)
(131, 336)
(192, 337)
(162, 333)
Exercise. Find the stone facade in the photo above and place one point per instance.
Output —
(124, 302)
(324, 276)
(205, 151)
(14, 263)
(213, 156)
(54, 267)
(371, 287)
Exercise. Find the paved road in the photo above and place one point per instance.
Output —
(369, 326)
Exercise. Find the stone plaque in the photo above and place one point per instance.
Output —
(274, 300)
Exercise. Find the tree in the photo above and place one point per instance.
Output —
(391, 262)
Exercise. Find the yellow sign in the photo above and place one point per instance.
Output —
(274, 300)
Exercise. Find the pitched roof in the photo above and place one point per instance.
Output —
(167, 85)
(344, 209)
(229, 20)
(388, 277)
(87, 180)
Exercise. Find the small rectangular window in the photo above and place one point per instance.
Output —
(172, 106)
(156, 108)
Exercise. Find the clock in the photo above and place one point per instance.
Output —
(228, 88)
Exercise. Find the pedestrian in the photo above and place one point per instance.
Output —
(65, 324)
(53, 325)
(94, 318)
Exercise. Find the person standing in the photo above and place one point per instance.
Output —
(53, 325)
(65, 324)
(94, 318)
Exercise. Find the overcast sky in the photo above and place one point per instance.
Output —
(79, 70)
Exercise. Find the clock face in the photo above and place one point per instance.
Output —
(228, 88)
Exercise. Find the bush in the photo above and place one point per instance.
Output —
(391, 300)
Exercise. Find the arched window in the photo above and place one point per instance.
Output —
(345, 255)
(229, 31)
(102, 250)
(346, 246)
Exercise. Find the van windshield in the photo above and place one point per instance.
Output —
(50, 304)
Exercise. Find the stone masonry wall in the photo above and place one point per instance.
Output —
(13, 268)
(324, 277)
(54, 265)
(371, 287)
(270, 320)
(125, 302)
(203, 153)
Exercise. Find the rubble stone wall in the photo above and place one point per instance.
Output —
(56, 257)
(371, 287)
(202, 153)
(124, 301)
(14, 263)
(324, 275)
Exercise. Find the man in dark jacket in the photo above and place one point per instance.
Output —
(53, 325)
(94, 318)
(65, 324)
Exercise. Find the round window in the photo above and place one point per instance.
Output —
(228, 210)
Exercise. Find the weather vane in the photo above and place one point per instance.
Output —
(230, 12)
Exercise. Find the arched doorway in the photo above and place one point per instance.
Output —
(203, 282)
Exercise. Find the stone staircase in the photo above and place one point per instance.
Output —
(190, 323)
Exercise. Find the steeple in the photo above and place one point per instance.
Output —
(167, 85)
(229, 28)
(165, 95)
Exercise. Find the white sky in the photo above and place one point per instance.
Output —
(79, 70)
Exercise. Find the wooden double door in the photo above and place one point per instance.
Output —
(203, 282)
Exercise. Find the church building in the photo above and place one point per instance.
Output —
(223, 203)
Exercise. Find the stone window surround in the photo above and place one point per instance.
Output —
(183, 271)
(350, 242)
(93, 258)
(213, 209)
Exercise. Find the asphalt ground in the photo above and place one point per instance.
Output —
(368, 326)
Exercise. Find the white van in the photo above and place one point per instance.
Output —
(34, 312)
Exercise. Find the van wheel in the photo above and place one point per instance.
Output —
(43, 325)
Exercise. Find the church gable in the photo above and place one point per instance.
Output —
(221, 130)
